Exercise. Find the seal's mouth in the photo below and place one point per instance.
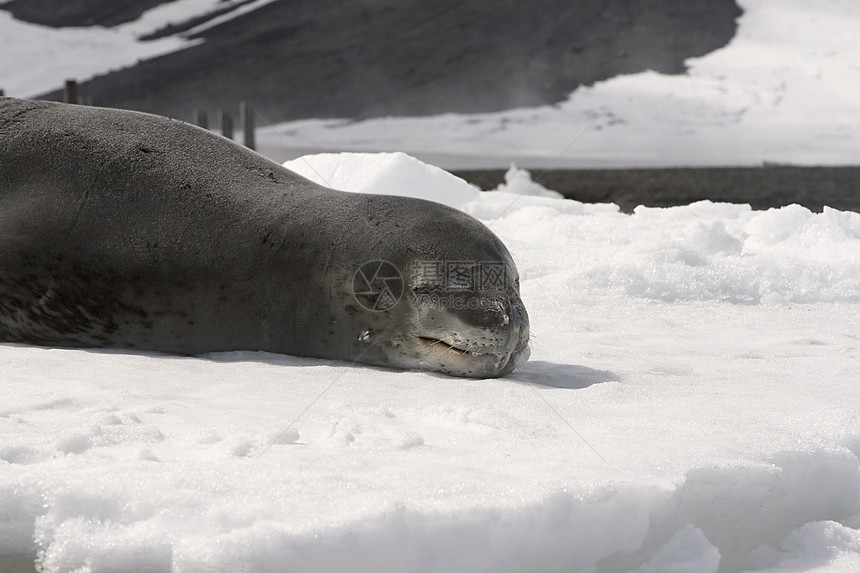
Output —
(437, 343)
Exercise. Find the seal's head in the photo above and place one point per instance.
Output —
(480, 331)
(444, 297)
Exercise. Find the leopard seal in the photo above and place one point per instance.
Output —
(120, 229)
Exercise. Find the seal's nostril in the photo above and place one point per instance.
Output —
(512, 314)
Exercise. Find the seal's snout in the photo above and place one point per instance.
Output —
(519, 318)
(511, 323)
(504, 323)
(485, 339)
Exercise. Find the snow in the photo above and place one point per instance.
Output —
(383, 174)
(689, 406)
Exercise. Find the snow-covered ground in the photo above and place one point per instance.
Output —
(690, 406)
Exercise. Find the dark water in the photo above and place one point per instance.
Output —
(761, 187)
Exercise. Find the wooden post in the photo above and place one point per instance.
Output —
(226, 125)
(201, 119)
(71, 92)
(246, 115)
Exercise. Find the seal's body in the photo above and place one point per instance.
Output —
(127, 230)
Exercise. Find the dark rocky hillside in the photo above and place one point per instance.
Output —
(297, 59)
(61, 13)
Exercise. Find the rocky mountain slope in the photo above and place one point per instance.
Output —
(368, 58)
